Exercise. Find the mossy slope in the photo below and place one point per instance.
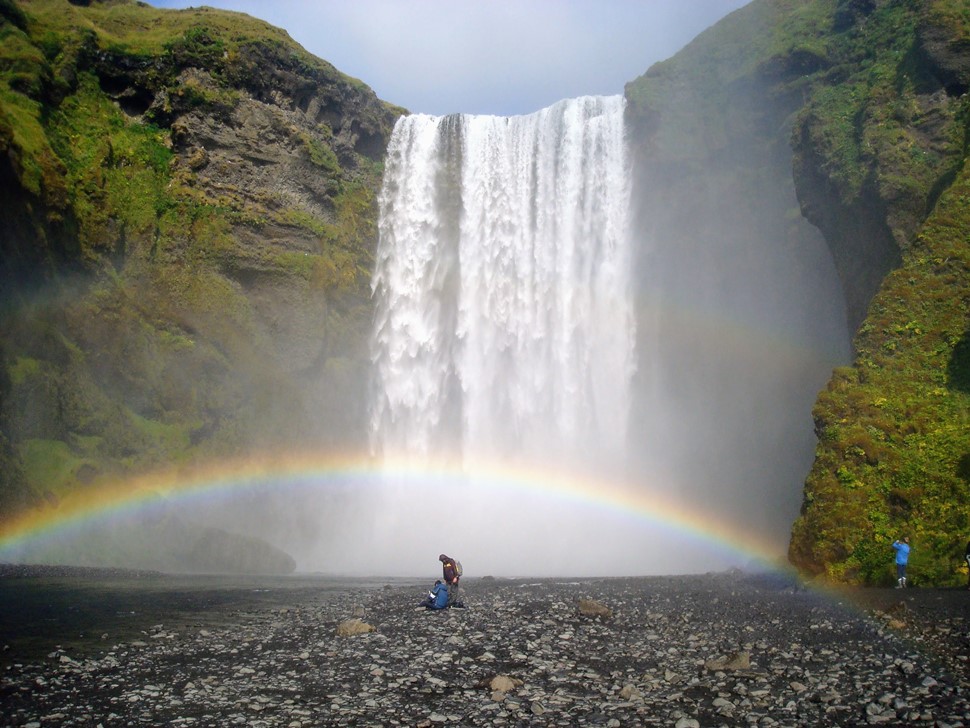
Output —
(189, 220)
(870, 100)
(187, 194)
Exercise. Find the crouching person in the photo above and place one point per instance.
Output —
(437, 598)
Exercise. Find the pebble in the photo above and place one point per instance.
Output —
(689, 651)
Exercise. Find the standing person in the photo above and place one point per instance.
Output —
(902, 558)
(966, 557)
(451, 573)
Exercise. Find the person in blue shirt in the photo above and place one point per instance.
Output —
(438, 596)
(902, 558)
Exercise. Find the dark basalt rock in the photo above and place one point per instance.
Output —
(699, 650)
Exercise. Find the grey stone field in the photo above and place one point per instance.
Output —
(725, 649)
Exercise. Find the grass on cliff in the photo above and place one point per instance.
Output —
(894, 429)
(894, 451)
(160, 356)
(197, 35)
(879, 136)
(117, 171)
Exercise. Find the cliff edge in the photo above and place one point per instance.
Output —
(189, 216)
(860, 107)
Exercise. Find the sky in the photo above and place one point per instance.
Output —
(500, 57)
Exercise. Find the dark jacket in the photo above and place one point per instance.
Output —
(448, 571)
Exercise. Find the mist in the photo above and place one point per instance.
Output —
(573, 375)
(688, 394)
(581, 366)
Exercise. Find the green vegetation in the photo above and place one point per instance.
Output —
(895, 429)
(951, 14)
(321, 154)
(880, 148)
(158, 288)
(117, 171)
(172, 290)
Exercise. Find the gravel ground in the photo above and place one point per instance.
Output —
(705, 650)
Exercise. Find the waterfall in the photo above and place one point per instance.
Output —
(504, 326)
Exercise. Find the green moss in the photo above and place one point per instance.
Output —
(203, 36)
(165, 437)
(118, 171)
(49, 466)
(22, 369)
(953, 15)
(22, 64)
(195, 94)
(22, 136)
(902, 390)
(296, 263)
(300, 218)
(356, 218)
(10, 11)
(834, 121)
(197, 46)
(320, 154)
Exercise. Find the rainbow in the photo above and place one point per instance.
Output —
(639, 506)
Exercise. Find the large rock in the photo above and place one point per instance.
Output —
(353, 627)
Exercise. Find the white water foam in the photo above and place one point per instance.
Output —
(504, 323)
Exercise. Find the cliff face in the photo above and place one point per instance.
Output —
(866, 110)
(749, 322)
(189, 220)
(894, 441)
(188, 216)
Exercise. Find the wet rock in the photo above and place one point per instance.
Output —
(630, 692)
(676, 651)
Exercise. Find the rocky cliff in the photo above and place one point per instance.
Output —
(860, 109)
(188, 221)
(188, 206)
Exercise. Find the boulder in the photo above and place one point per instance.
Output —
(593, 608)
(355, 626)
(735, 661)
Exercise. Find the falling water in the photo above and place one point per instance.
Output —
(504, 326)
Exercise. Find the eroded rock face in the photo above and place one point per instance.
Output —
(280, 146)
(197, 220)
(945, 50)
(860, 112)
